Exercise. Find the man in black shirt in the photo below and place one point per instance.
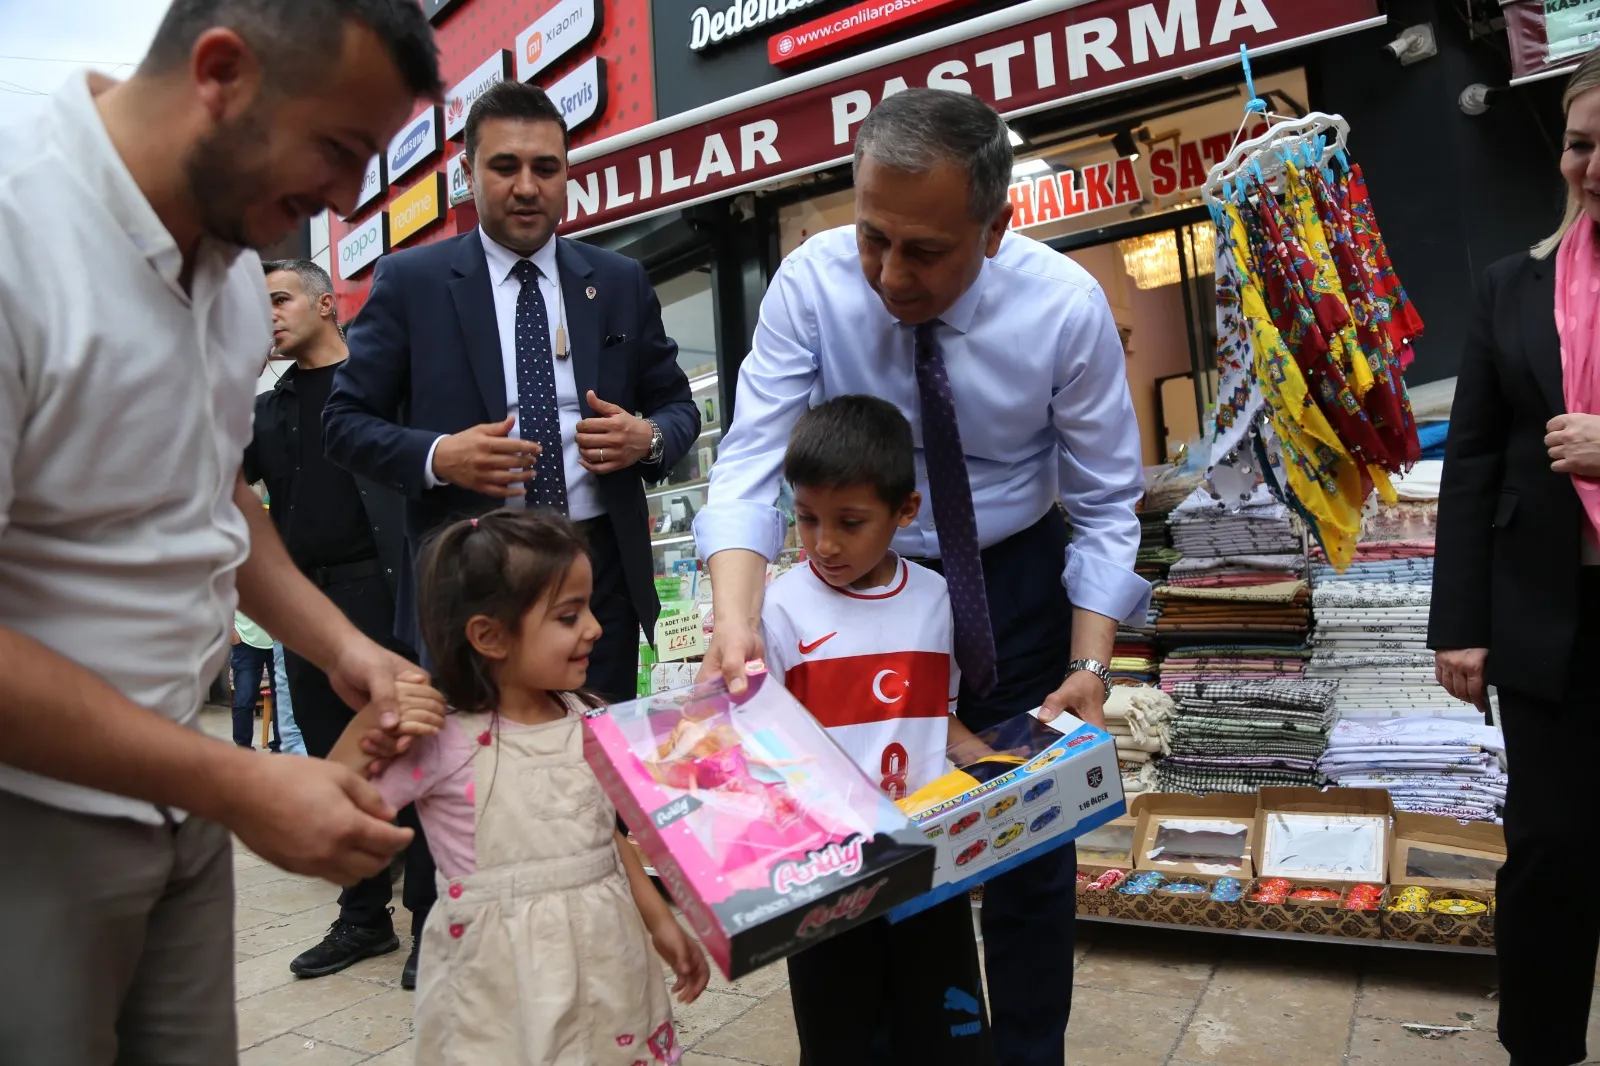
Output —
(345, 534)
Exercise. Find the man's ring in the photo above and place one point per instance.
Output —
(602, 457)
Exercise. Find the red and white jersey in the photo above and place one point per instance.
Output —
(877, 668)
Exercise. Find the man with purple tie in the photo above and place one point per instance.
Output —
(1005, 357)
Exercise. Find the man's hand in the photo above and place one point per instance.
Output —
(366, 675)
(312, 817)
(732, 645)
(487, 460)
(1574, 443)
(422, 709)
(1461, 673)
(1081, 694)
(615, 440)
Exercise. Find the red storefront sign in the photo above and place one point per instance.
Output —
(829, 34)
(1549, 38)
(1083, 48)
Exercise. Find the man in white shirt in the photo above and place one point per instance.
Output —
(133, 333)
(1005, 358)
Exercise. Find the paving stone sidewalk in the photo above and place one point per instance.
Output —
(1143, 997)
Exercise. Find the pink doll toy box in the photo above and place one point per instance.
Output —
(765, 833)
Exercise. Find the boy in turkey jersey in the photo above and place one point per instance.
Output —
(865, 641)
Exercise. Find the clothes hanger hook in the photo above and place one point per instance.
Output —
(1255, 103)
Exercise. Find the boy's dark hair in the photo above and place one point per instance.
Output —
(513, 100)
(854, 440)
(497, 565)
(298, 41)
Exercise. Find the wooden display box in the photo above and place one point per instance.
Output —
(1112, 904)
(1426, 844)
(1169, 908)
(1313, 917)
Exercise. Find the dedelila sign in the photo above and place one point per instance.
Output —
(708, 26)
(362, 246)
(417, 141)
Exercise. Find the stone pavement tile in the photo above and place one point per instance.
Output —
(288, 896)
(258, 873)
(290, 1050)
(1379, 1042)
(281, 932)
(1125, 1028)
(694, 1058)
(290, 1006)
(761, 984)
(385, 969)
(1152, 961)
(404, 1055)
(1271, 1003)
(263, 973)
(1429, 987)
(244, 917)
(764, 1035)
(707, 1014)
(372, 1025)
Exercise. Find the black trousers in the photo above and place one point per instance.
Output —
(323, 716)
(888, 995)
(1028, 913)
(1547, 976)
(614, 663)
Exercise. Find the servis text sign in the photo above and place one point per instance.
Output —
(566, 26)
(362, 246)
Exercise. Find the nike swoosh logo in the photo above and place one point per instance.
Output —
(807, 649)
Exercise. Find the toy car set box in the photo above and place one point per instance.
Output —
(1039, 787)
(1322, 862)
(1442, 874)
(764, 832)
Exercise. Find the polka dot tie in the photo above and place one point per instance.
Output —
(538, 413)
(951, 491)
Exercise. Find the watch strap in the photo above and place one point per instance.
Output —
(1092, 666)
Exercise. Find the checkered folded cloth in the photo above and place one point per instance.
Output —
(1307, 695)
(1200, 782)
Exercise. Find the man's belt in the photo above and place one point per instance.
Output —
(344, 573)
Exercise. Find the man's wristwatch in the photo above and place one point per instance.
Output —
(658, 443)
(1092, 666)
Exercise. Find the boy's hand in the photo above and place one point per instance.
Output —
(685, 957)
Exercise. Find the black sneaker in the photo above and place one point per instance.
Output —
(408, 975)
(344, 946)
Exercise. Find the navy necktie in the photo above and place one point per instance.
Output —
(538, 412)
(953, 516)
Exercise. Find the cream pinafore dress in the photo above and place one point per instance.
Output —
(540, 958)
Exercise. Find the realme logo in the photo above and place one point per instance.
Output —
(417, 208)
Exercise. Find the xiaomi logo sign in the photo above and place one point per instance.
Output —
(534, 49)
(416, 209)
(569, 24)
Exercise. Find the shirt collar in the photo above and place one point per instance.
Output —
(502, 259)
(960, 314)
(82, 133)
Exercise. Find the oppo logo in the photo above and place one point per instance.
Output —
(412, 144)
(356, 246)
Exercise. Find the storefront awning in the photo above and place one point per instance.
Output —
(1026, 58)
(1549, 38)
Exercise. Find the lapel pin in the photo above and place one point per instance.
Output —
(589, 292)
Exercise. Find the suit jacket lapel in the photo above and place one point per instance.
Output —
(583, 319)
(1541, 343)
(480, 332)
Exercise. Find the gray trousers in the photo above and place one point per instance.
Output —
(116, 940)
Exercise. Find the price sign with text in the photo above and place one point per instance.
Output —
(681, 637)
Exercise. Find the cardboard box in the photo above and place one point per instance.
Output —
(764, 832)
(1109, 846)
(1061, 781)
(1166, 907)
(1426, 850)
(1309, 917)
(1169, 821)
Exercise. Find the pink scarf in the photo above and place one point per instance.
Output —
(1578, 323)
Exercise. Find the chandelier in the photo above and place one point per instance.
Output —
(1152, 260)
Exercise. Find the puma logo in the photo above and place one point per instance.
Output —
(807, 649)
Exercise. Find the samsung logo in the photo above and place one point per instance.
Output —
(414, 143)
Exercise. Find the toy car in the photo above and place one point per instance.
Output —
(934, 832)
(967, 822)
(1044, 819)
(1002, 807)
(1037, 789)
(971, 853)
(1046, 759)
(1007, 835)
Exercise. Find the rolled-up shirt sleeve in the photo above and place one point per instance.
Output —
(775, 383)
(1101, 469)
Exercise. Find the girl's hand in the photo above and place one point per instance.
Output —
(422, 709)
(685, 957)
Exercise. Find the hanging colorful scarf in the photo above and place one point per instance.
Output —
(1578, 323)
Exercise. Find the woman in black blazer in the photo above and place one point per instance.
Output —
(1516, 601)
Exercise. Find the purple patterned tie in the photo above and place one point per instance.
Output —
(953, 516)
(538, 411)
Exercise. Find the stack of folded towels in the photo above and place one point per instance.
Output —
(1429, 765)
(1236, 736)
(1139, 717)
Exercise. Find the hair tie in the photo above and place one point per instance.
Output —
(474, 523)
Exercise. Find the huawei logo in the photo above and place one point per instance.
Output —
(454, 109)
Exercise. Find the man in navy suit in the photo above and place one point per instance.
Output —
(505, 367)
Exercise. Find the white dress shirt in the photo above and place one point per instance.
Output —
(583, 492)
(1041, 396)
(125, 408)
